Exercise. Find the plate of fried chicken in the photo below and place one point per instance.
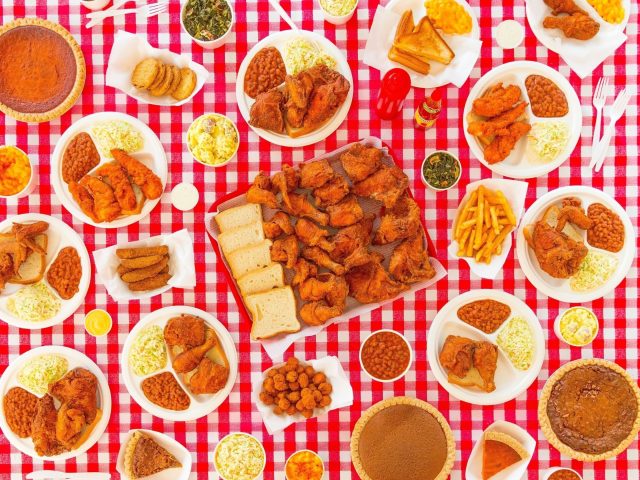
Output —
(293, 109)
(508, 106)
(45, 271)
(575, 244)
(66, 420)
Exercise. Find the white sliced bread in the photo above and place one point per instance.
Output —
(249, 258)
(273, 313)
(238, 216)
(32, 269)
(240, 237)
(262, 280)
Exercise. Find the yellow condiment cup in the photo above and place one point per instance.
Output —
(98, 322)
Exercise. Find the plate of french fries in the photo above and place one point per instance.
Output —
(482, 230)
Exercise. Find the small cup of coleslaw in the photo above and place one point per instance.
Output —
(338, 12)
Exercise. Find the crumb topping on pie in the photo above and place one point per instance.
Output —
(144, 457)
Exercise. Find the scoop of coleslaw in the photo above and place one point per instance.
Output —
(147, 354)
(34, 303)
(594, 271)
(38, 373)
(301, 54)
(547, 140)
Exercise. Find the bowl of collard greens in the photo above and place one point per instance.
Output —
(208, 22)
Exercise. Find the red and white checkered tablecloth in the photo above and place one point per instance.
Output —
(329, 435)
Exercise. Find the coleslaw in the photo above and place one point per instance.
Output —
(301, 54)
(547, 140)
(594, 271)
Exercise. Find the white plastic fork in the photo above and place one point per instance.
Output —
(147, 11)
(599, 99)
(99, 16)
(275, 4)
(618, 108)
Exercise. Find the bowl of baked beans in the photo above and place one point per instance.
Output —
(17, 178)
(561, 473)
(385, 356)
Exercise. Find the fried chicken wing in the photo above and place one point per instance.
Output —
(210, 377)
(361, 256)
(286, 181)
(563, 6)
(278, 225)
(303, 270)
(315, 174)
(400, 222)
(310, 234)
(318, 313)
(371, 283)
(189, 359)
(361, 161)
(261, 192)
(285, 250)
(577, 25)
(456, 355)
(501, 146)
(573, 212)
(349, 239)
(105, 205)
(297, 91)
(84, 199)
(326, 286)
(330, 92)
(140, 174)
(120, 183)
(345, 213)
(301, 207)
(78, 388)
(557, 254)
(331, 192)
(266, 111)
(43, 430)
(497, 100)
(186, 330)
(322, 259)
(497, 125)
(386, 185)
(410, 261)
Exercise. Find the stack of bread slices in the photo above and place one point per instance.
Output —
(261, 282)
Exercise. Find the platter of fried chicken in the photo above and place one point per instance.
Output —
(109, 170)
(576, 244)
(56, 403)
(522, 119)
(179, 363)
(329, 239)
(294, 88)
(485, 347)
(45, 271)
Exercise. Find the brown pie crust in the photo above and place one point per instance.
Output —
(44, 110)
(546, 424)
(410, 402)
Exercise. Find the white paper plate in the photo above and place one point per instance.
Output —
(547, 37)
(201, 405)
(75, 359)
(60, 235)
(279, 40)
(169, 444)
(517, 470)
(509, 381)
(559, 288)
(152, 155)
(517, 165)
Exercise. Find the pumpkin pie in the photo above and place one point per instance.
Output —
(42, 72)
(590, 410)
(144, 456)
(402, 438)
(500, 451)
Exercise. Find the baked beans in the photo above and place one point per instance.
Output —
(385, 355)
(607, 230)
(80, 157)
(545, 97)
(486, 315)
(265, 71)
(564, 475)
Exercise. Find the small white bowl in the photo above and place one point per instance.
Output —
(31, 184)
(210, 44)
(391, 379)
(424, 180)
(547, 473)
(303, 450)
(95, 4)
(215, 453)
(556, 327)
(338, 19)
(232, 157)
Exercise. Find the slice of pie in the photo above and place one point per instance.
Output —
(499, 452)
(145, 457)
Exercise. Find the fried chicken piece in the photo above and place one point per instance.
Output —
(120, 183)
(310, 234)
(70, 423)
(297, 91)
(345, 213)
(497, 100)
(331, 192)
(6, 269)
(456, 355)
(361, 256)
(501, 146)
(322, 259)
(557, 254)
(210, 377)
(266, 111)
(261, 192)
(186, 330)
(315, 174)
(13, 255)
(286, 181)
(497, 125)
(577, 25)
(371, 283)
(400, 222)
(303, 270)
(301, 207)
(285, 250)
(78, 388)
(84, 199)
(573, 212)
(350, 238)
(361, 161)
(485, 360)
(329, 93)
(319, 313)
(326, 286)
(189, 359)
(563, 6)
(105, 206)
(410, 261)
(278, 225)
(386, 185)
(24, 231)
(140, 174)
(43, 429)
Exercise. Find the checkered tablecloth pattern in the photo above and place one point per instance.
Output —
(329, 435)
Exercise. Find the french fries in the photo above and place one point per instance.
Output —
(483, 224)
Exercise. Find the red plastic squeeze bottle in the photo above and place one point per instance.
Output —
(393, 90)
(429, 110)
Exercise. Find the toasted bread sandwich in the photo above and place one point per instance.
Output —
(425, 43)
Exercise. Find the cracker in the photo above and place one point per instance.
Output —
(145, 73)
(159, 78)
(163, 88)
(187, 84)
(176, 80)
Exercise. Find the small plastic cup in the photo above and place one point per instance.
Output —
(390, 380)
(185, 196)
(232, 157)
(556, 327)
(217, 42)
(92, 322)
(300, 451)
(338, 19)
(31, 184)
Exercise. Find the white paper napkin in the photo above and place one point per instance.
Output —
(582, 56)
(380, 40)
(181, 265)
(341, 396)
(515, 192)
(129, 49)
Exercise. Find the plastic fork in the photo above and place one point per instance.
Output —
(98, 17)
(284, 15)
(146, 11)
(618, 108)
(599, 99)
